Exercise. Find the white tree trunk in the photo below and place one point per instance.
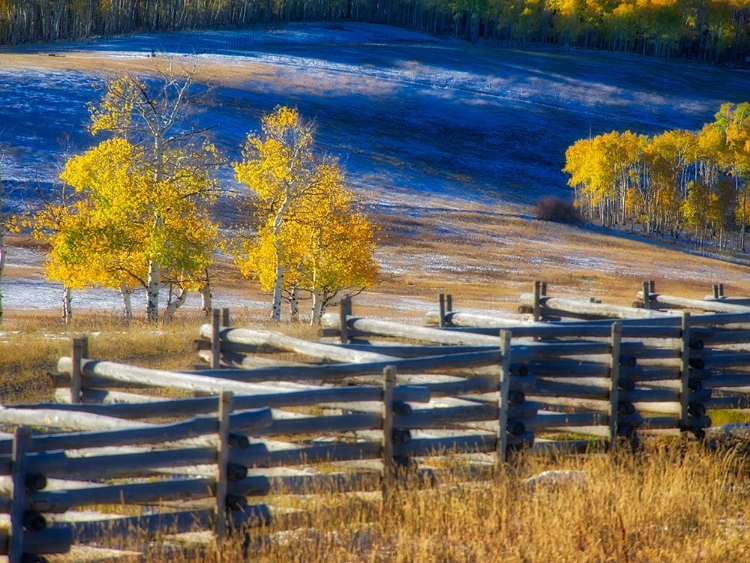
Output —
(154, 286)
(317, 307)
(127, 304)
(294, 305)
(278, 223)
(277, 290)
(206, 299)
(67, 305)
(175, 304)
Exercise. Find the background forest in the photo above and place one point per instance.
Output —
(706, 30)
(670, 181)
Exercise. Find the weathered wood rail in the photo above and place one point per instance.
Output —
(708, 370)
(389, 393)
(232, 449)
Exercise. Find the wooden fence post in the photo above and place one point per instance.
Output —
(225, 317)
(646, 295)
(215, 339)
(721, 290)
(685, 371)
(389, 466)
(614, 384)
(537, 300)
(344, 311)
(76, 372)
(716, 291)
(441, 303)
(449, 303)
(21, 445)
(504, 391)
(225, 409)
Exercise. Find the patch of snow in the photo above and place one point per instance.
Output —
(557, 477)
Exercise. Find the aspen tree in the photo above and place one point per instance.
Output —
(311, 235)
(176, 158)
(733, 121)
(281, 169)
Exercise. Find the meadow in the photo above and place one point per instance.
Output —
(449, 145)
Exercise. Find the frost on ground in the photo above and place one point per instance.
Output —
(420, 123)
(405, 110)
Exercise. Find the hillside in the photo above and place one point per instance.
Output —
(448, 143)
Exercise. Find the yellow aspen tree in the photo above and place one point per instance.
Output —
(2, 247)
(333, 242)
(280, 168)
(176, 157)
(603, 169)
(667, 157)
(311, 235)
(108, 237)
(733, 121)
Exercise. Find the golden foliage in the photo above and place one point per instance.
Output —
(669, 180)
(311, 231)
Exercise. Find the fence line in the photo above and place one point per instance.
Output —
(474, 383)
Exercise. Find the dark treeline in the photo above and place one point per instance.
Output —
(706, 30)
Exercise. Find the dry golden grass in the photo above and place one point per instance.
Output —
(673, 503)
(32, 344)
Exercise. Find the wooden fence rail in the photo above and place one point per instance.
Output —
(472, 384)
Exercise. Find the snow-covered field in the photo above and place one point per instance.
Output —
(405, 111)
(418, 122)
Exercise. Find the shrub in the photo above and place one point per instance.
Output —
(557, 209)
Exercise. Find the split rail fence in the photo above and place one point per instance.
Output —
(372, 401)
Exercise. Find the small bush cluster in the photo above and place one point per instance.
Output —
(556, 209)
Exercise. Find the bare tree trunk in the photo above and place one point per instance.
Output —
(127, 304)
(277, 289)
(206, 299)
(294, 305)
(317, 308)
(154, 285)
(67, 305)
(175, 304)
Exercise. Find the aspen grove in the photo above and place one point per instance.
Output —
(670, 182)
(139, 211)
